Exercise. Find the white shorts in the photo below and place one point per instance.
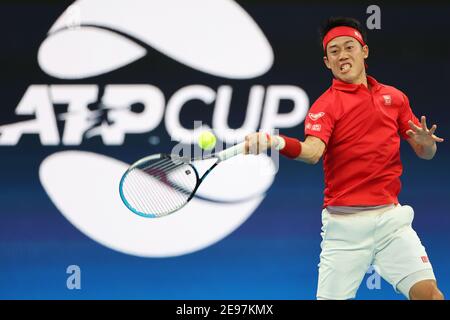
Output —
(383, 237)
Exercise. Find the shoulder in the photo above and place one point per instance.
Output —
(322, 109)
(325, 101)
(394, 92)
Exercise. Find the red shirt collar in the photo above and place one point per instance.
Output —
(350, 87)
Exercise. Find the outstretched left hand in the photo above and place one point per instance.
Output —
(423, 136)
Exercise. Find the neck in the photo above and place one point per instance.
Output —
(362, 79)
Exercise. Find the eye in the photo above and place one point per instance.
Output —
(350, 47)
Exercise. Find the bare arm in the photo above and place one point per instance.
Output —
(422, 140)
(312, 148)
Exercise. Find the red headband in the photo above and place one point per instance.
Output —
(342, 31)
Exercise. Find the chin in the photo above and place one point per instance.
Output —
(348, 77)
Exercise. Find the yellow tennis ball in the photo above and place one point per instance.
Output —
(206, 140)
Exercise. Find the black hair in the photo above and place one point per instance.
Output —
(332, 22)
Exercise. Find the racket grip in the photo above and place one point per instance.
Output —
(231, 152)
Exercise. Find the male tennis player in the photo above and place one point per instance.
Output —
(356, 125)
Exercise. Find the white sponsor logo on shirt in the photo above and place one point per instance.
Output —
(316, 116)
(316, 127)
(387, 99)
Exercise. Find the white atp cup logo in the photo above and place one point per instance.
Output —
(94, 37)
(219, 39)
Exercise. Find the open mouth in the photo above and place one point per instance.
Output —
(345, 67)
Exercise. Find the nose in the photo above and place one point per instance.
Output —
(343, 56)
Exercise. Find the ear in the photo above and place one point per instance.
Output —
(365, 51)
(327, 63)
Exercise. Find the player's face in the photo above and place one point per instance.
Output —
(345, 57)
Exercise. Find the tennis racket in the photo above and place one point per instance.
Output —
(160, 184)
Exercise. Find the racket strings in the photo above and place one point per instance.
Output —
(162, 171)
(151, 197)
(159, 187)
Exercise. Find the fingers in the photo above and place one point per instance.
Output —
(437, 139)
(433, 129)
(410, 133)
(423, 122)
(247, 144)
(424, 131)
(253, 143)
(256, 143)
(414, 127)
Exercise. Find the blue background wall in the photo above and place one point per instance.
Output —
(274, 254)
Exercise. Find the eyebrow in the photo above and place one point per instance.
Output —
(335, 45)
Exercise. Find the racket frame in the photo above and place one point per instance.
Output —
(220, 156)
(155, 157)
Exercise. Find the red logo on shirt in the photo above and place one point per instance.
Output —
(387, 99)
(424, 259)
(316, 116)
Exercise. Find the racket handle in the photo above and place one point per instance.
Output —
(231, 152)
